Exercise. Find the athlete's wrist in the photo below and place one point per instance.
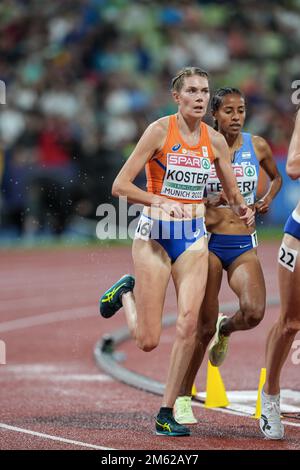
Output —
(157, 200)
(238, 203)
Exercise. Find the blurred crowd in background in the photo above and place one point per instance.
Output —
(85, 77)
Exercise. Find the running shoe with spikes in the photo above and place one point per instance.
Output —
(167, 426)
(111, 300)
(270, 420)
(183, 411)
(219, 345)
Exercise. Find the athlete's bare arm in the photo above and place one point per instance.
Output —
(267, 162)
(151, 141)
(227, 178)
(293, 160)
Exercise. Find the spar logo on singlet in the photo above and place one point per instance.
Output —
(246, 176)
(186, 176)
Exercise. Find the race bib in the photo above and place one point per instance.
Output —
(246, 177)
(185, 176)
(287, 257)
(254, 240)
(143, 230)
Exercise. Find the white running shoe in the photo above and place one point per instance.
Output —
(183, 411)
(270, 421)
(219, 345)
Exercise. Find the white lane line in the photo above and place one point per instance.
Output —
(53, 438)
(50, 372)
(52, 317)
(245, 413)
(33, 301)
(100, 378)
(290, 399)
(63, 378)
(47, 285)
(81, 378)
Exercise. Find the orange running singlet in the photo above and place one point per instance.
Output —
(180, 171)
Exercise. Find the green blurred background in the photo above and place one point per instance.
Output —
(85, 77)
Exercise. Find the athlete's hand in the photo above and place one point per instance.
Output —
(172, 208)
(246, 214)
(262, 206)
(175, 209)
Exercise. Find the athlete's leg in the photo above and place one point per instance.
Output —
(245, 277)
(281, 337)
(190, 275)
(283, 332)
(206, 322)
(143, 308)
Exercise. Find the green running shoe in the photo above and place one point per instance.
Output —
(219, 345)
(183, 411)
(167, 426)
(111, 301)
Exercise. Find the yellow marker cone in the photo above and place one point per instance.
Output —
(262, 380)
(194, 391)
(215, 391)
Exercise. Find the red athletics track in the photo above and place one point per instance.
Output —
(52, 394)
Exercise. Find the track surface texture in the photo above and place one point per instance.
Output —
(53, 395)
